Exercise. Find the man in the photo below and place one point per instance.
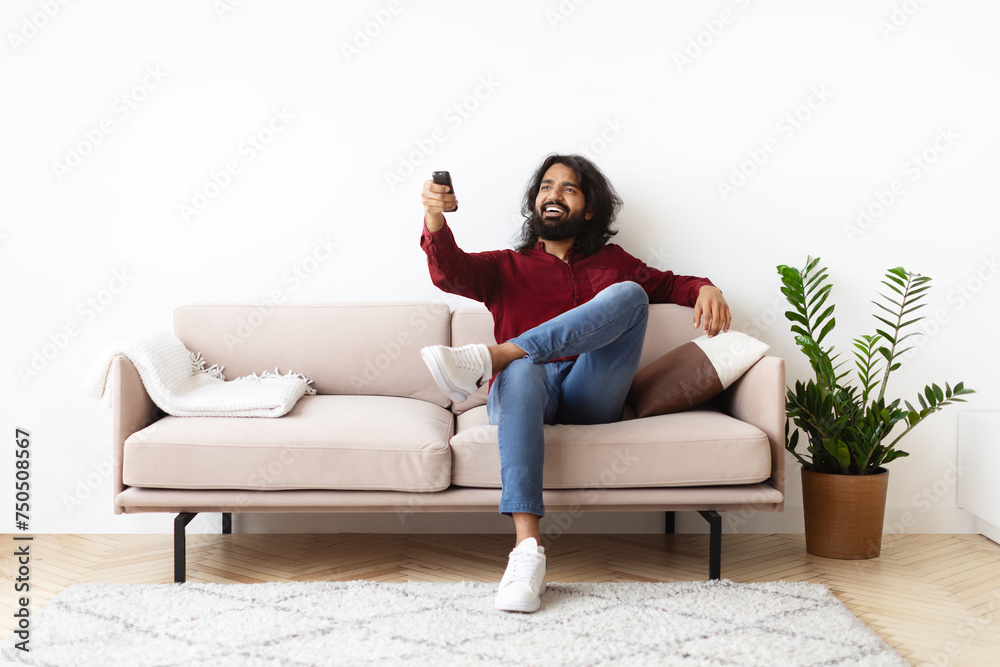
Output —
(569, 310)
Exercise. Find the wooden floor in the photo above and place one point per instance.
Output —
(935, 598)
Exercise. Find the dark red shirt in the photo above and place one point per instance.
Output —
(524, 289)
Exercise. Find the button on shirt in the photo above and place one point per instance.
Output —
(524, 289)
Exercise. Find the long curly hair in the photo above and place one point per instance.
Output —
(598, 194)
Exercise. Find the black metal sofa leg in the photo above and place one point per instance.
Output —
(668, 523)
(715, 543)
(227, 523)
(180, 522)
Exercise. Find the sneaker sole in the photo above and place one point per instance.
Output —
(527, 607)
(513, 605)
(455, 393)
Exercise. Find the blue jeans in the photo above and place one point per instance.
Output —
(607, 333)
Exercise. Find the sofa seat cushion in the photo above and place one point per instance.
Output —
(693, 448)
(325, 442)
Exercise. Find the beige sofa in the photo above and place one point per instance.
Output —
(380, 437)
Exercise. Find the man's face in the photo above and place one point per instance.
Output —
(560, 208)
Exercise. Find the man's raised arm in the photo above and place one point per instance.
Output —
(472, 275)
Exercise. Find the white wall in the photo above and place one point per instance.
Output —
(161, 96)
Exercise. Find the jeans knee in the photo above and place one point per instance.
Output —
(629, 291)
(522, 370)
(521, 383)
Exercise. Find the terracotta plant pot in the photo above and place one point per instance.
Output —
(844, 513)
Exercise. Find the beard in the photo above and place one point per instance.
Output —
(568, 228)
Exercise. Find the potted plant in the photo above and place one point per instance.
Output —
(849, 423)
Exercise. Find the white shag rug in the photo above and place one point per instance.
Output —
(363, 623)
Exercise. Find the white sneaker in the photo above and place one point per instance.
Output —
(459, 371)
(524, 580)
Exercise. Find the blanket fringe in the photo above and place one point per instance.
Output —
(198, 366)
(268, 375)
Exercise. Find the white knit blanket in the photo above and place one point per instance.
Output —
(180, 385)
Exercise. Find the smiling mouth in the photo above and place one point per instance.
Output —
(552, 211)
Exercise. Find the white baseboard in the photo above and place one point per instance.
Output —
(988, 530)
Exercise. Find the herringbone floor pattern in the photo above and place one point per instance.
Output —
(935, 598)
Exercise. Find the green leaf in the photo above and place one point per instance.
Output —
(827, 329)
(910, 310)
(891, 325)
(790, 293)
(895, 285)
(820, 293)
(886, 308)
(815, 305)
(795, 317)
(839, 450)
(893, 454)
(826, 314)
(815, 279)
(929, 393)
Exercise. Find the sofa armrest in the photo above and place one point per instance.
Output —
(131, 410)
(758, 398)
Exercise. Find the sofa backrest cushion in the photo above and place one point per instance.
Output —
(669, 326)
(344, 348)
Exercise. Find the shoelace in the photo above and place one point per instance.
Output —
(467, 359)
(524, 566)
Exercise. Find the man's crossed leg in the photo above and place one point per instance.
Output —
(532, 389)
